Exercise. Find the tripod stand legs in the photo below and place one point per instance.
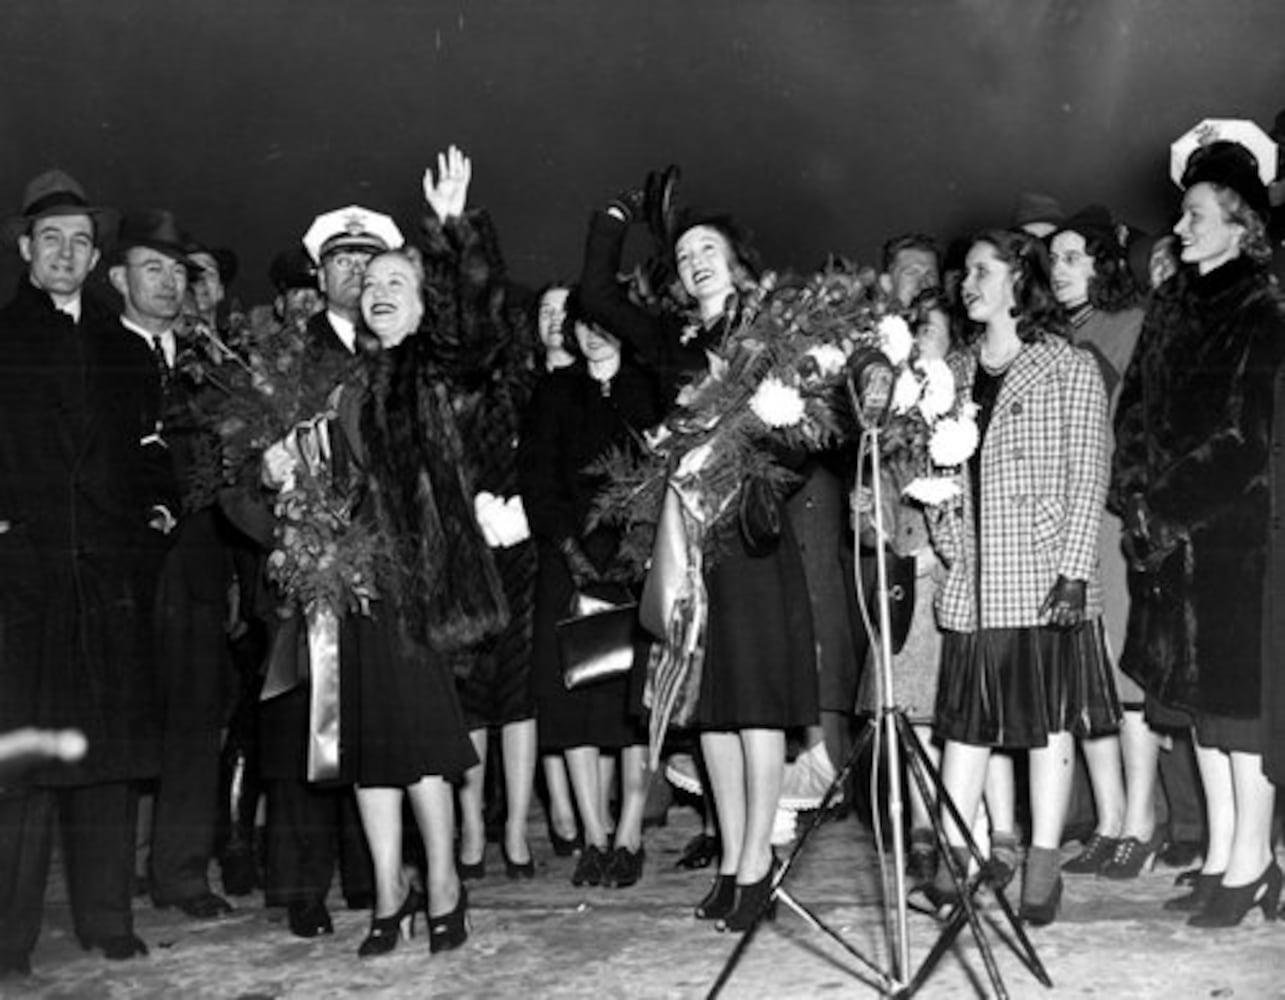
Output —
(964, 913)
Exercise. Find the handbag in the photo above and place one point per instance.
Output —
(760, 516)
(596, 642)
(902, 571)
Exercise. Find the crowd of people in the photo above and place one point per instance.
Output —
(1109, 576)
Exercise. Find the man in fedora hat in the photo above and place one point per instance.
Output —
(77, 397)
(193, 572)
(310, 827)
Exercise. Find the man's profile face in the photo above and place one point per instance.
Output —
(59, 252)
(153, 284)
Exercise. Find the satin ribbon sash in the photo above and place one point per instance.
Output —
(681, 602)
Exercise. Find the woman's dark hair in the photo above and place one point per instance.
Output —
(746, 266)
(1036, 310)
(1111, 286)
(573, 313)
(569, 343)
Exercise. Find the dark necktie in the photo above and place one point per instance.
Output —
(162, 365)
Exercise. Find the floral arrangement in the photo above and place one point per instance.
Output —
(323, 556)
(931, 432)
(257, 392)
(259, 380)
(777, 386)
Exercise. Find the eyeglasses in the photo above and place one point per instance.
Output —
(350, 260)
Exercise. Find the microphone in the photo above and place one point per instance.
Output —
(870, 382)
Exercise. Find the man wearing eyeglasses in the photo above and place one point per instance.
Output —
(310, 827)
(341, 243)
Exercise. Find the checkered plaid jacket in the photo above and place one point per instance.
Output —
(1044, 472)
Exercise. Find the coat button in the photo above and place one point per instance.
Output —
(1015, 409)
(1019, 500)
(1018, 454)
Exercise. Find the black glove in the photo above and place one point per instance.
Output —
(1065, 603)
(629, 203)
(579, 565)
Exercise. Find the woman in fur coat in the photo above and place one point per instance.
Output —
(1190, 479)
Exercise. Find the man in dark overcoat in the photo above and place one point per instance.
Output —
(77, 398)
(193, 570)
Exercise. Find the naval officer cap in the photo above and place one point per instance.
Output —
(351, 228)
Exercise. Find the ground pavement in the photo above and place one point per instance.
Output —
(545, 938)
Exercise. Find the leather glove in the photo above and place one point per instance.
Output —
(629, 203)
(1065, 603)
(579, 565)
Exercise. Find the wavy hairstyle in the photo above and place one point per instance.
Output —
(1111, 286)
(1256, 245)
(1036, 310)
(746, 266)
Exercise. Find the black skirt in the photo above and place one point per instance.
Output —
(1011, 687)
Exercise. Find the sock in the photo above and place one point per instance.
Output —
(1043, 865)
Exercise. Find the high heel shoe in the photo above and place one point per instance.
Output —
(450, 930)
(753, 901)
(565, 847)
(1132, 856)
(517, 869)
(718, 901)
(590, 867)
(474, 871)
(1044, 912)
(1096, 853)
(1202, 888)
(1228, 905)
(385, 931)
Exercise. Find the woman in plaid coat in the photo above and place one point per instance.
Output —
(1023, 659)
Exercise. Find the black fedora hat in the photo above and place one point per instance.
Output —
(55, 192)
(156, 229)
(225, 260)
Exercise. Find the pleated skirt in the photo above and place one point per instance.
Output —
(1011, 687)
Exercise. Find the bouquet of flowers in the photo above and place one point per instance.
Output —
(323, 556)
(261, 381)
(931, 433)
(777, 386)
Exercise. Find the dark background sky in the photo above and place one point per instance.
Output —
(823, 125)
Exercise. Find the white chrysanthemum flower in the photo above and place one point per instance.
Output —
(953, 441)
(829, 358)
(906, 391)
(933, 491)
(939, 389)
(895, 339)
(777, 404)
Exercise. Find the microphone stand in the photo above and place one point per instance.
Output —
(870, 403)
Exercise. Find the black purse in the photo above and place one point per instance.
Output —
(902, 572)
(760, 516)
(596, 642)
